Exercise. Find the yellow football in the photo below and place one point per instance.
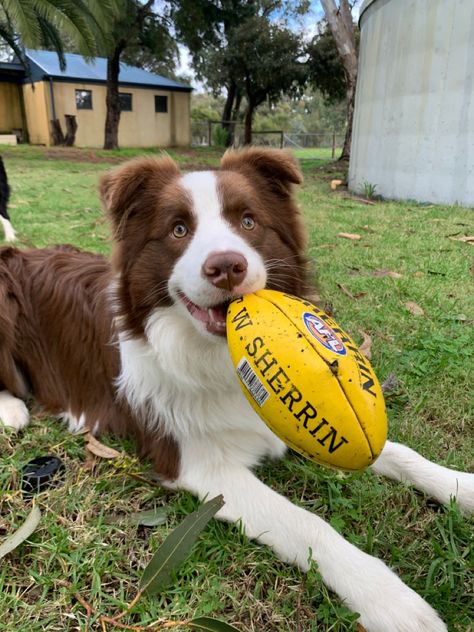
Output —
(307, 380)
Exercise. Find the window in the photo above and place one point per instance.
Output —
(161, 104)
(125, 101)
(84, 99)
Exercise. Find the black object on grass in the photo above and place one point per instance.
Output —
(41, 473)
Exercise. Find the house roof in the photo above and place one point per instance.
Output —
(44, 64)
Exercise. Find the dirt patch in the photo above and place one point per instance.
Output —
(73, 154)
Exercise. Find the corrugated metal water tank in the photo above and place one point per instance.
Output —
(413, 134)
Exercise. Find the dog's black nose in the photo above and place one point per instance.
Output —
(225, 270)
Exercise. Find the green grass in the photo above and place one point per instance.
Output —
(83, 545)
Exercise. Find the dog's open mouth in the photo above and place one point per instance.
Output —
(213, 317)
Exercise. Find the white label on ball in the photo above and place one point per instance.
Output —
(252, 383)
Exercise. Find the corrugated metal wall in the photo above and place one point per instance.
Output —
(413, 132)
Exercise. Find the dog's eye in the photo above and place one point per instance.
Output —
(248, 222)
(180, 230)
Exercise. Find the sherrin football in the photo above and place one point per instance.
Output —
(307, 380)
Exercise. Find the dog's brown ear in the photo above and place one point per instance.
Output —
(132, 188)
(277, 166)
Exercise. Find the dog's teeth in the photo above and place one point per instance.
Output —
(211, 315)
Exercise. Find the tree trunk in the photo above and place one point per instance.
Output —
(112, 100)
(248, 123)
(57, 132)
(342, 29)
(71, 129)
(227, 112)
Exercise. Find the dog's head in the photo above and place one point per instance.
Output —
(197, 240)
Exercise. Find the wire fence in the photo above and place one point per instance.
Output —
(211, 133)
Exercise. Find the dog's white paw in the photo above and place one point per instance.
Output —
(396, 611)
(464, 492)
(13, 411)
(386, 604)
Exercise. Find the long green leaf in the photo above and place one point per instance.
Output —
(211, 625)
(176, 547)
(150, 518)
(24, 532)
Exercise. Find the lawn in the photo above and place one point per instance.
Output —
(86, 542)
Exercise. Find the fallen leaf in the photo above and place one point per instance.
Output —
(385, 273)
(21, 534)
(352, 236)
(468, 239)
(335, 184)
(414, 308)
(150, 518)
(99, 449)
(418, 275)
(360, 628)
(366, 347)
(391, 384)
(349, 293)
(345, 291)
(368, 229)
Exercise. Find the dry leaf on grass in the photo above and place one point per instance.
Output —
(335, 184)
(99, 449)
(366, 347)
(352, 236)
(468, 239)
(385, 273)
(418, 275)
(368, 229)
(414, 308)
(348, 293)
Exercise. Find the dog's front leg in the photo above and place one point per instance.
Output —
(404, 464)
(363, 582)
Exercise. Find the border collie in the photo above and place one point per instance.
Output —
(4, 197)
(137, 346)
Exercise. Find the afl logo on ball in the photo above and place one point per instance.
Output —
(324, 334)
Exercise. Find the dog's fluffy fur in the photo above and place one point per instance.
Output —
(4, 197)
(136, 347)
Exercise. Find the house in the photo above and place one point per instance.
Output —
(155, 110)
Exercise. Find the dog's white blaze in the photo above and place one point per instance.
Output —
(213, 234)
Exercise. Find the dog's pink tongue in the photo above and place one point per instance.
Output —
(213, 317)
(198, 313)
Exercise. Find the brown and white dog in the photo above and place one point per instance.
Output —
(137, 346)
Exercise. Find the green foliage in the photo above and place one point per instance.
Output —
(220, 136)
(177, 546)
(369, 190)
(51, 24)
(324, 65)
(149, 44)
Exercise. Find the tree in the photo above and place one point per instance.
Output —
(138, 29)
(325, 69)
(264, 59)
(212, 29)
(206, 27)
(48, 23)
(342, 29)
